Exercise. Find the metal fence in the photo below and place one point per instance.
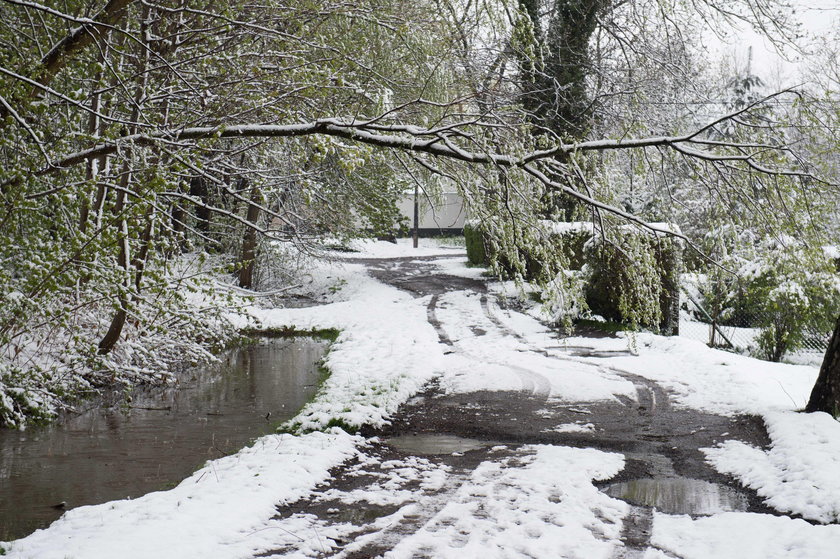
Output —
(741, 334)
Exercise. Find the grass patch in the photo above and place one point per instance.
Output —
(343, 425)
(328, 334)
(450, 241)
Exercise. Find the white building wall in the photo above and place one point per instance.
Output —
(447, 212)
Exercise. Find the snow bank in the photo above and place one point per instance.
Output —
(222, 510)
(799, 473)
(708, 379)
(386, 350)
(367, 248)
(739, 535)
(500, 357)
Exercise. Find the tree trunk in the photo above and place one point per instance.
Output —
(249, 242)
(198, 188)
(124, 258)
(826, 393)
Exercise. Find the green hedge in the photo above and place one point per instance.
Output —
(476, 248)
(636, 280)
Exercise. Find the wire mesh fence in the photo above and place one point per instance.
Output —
(743, 334)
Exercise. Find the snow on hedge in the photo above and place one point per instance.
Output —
(799, 473)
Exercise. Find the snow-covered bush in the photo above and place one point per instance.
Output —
(50, 356)
(792, 294)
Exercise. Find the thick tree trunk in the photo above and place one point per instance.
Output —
(118, 322)
(198, 188)
(112, 336)
(249, 242)
(826, 393)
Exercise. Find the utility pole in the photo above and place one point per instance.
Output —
(416, 214)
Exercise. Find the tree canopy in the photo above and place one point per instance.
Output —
(134, 131)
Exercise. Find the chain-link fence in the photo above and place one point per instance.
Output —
(748, 334)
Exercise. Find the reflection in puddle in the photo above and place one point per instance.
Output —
(435, 444)
(679, 495)
(164, 435)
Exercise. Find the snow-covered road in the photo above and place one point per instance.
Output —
(488, 435)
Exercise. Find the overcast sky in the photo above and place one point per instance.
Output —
(818, 17)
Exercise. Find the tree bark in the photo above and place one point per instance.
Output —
(124, 258)
(80, 38)
(826, 393)
(249, 242)
(198, 188)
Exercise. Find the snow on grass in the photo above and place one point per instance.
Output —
(222, 510)
(799, 473)
(386, 350)
(739, 535)
(540, 505)
(707, 379)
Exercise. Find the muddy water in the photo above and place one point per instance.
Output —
(434, 443)
(680, 495)
(157, 439)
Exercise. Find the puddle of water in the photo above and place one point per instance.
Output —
(679, 495)
(115, 453)
(435, 444)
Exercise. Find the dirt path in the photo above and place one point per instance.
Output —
(431, 451)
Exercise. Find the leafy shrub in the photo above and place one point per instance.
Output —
(791, 293)
(474, 239)
(635, 279)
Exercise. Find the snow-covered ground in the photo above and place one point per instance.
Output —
(543, 504)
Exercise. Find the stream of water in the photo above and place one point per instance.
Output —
(157, 438)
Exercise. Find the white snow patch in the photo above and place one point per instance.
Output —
(503, 358)
(458, 267)
(799, 473)
(740, 535)
(571, 428)
(541, 505)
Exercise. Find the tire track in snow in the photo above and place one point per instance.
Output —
(533, 383)
(485, 306)
(651, 400)
(431, 317)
